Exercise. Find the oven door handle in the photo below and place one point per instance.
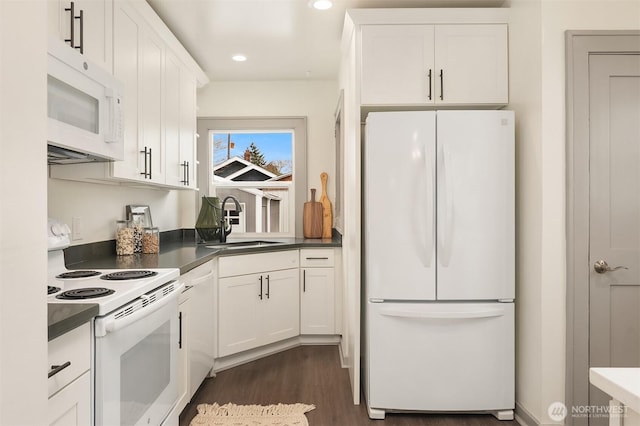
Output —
(110, 324)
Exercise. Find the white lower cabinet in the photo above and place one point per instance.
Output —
(317, 294)
(183, 350)
(69, 383)
(71, 406)
(258, 307)
(201, 339)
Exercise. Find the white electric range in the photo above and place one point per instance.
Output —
(109, 288)
(135, 335)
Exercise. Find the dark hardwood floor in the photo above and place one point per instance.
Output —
(310, 375)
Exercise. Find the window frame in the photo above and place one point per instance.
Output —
(298, 125)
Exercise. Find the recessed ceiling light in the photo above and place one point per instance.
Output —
(239, 58)
(322, 4)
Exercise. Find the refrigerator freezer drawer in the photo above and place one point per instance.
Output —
(440, 356)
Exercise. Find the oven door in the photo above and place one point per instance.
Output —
(136, 360)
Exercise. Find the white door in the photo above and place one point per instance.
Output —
(399, 196)
(475, 205)
(397, 64)
(471, 64)
(614, 204)
(440, 356)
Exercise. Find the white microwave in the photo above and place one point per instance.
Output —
(84, 108)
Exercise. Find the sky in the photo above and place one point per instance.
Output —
(273, 146)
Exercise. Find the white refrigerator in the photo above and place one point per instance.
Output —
(438, 262)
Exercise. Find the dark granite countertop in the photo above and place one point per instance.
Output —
(63, 318)
(178, 249)
(187, 254)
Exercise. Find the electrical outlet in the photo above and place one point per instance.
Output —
(76, 228)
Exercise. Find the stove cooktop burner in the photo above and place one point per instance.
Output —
(84, 293)
(78, 274)
(51, 289)
(128, 275)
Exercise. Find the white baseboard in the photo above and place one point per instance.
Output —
(524, 417)
(221, 364)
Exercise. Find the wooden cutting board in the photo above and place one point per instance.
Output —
(327, 212)
(312, 217)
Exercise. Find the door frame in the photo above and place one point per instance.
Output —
(579, 45)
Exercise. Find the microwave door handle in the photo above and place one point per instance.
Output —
(112, 325)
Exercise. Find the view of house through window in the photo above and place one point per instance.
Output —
(255, 167)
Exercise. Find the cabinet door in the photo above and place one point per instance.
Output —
(72, 405)
(126, 69)
(397, 64)
(97, 27)
(317, 314)
(471, 63)
(201, 324)
(183, 351)
(239, 314)
(172, 87)
(151, 105)
(188, 128)
(281, 305)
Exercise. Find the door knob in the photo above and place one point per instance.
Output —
(601, 266)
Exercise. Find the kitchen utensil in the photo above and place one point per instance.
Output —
(312, 217)
(327, 213)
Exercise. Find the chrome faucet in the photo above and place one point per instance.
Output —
(224, 231)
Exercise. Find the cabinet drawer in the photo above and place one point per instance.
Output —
(245, 264)
(316, 258)
(73, 347)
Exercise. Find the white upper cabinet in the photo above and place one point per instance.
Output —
(160, 81)
(397, 64)
(457, 64)
(126, 68)
(180, 124)
(472, 64)
(92, 27)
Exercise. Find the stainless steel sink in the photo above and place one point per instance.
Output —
(240, 244)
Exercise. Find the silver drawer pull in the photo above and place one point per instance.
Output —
(55, 369)
(317, 258)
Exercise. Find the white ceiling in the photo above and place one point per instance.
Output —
(282, 39)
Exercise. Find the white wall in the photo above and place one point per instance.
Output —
(317, 100)
(23, 307)
(525, 99)
(540, 24)
(99, 206)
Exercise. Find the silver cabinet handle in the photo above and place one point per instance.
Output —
(601, 266)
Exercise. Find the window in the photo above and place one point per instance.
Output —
(261, 163)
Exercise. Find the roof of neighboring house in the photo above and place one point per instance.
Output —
(287, 177)
(239, 169)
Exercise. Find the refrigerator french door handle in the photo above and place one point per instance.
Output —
(489, 313)
(430, 193)
(445, 208)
